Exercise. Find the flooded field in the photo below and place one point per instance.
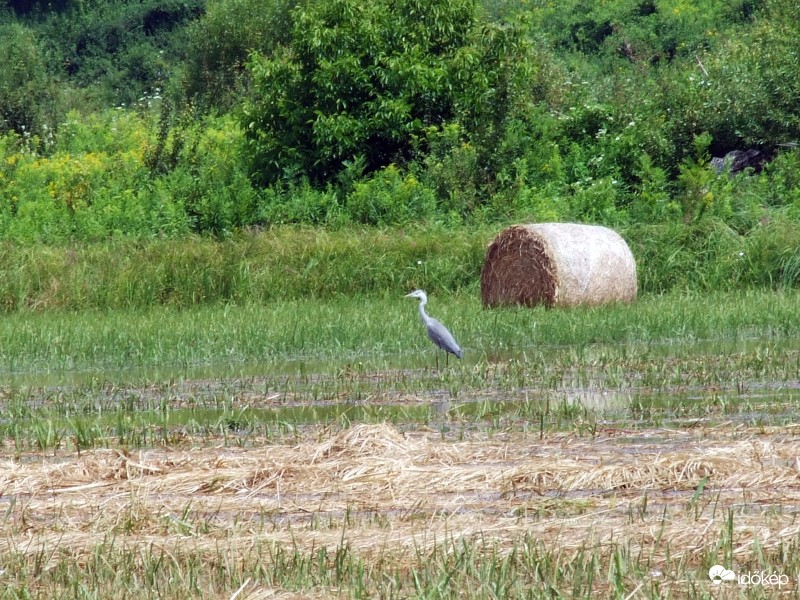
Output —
(617, 470)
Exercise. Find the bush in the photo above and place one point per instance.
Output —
(783, 177)
(25, 7)
(651, 200)
(205, 169)
(640, 31)
(119, 52)
(389, 198)
(300, 203)
(84, 196)
(110, 131)
(603, 112)
(529, 205)
(595, 201)
(452, 170)
(93, 186)
(755, 78)
(502, 79)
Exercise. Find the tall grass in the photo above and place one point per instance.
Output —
(451, 569)
(289, 263)
(277, 264)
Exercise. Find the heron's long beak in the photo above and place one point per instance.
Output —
(411, 295)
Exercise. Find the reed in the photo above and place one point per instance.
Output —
(278, 264)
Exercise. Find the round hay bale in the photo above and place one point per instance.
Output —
(558, 264)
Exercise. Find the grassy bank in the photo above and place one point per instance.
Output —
(284, 263)
(290, 263)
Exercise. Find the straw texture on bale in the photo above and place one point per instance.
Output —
(558, 264)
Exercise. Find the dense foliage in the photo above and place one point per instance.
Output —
(356, 85)
(160, 119)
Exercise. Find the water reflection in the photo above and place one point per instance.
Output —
(342, 384)
(364, 363)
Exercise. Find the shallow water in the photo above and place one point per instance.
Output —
(307, 366)
(484, 387)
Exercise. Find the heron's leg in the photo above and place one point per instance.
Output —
(446, 360)
(437, 360)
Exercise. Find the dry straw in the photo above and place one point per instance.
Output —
(570, 493)
(558, 264)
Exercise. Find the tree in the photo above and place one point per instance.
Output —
(357, 85)
(27, 93)
(220, 41)
(755, 78)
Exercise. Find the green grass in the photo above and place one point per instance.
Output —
(251, 372)
(284, 263)
(375, 330)
(454, 569)
(294, 263)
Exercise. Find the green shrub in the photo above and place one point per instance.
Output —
(210, 178)
(755, 78)
(740, 200)
(26, 7)
(300, 203)
(529, 205)
(643, 31)
(503, 136)
(93, 186)
(604, 112)
(783, 177)
(120, 52)
(87, 196)
(111, 131)
(388, 197)
(651, 200)
(452, 171)
(595, 201)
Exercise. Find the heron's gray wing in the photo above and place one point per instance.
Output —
(440, 336)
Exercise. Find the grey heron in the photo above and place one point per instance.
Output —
(438, 333)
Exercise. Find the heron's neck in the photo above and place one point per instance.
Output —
(422, 312)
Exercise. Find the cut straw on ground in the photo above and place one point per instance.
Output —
(389, 495)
